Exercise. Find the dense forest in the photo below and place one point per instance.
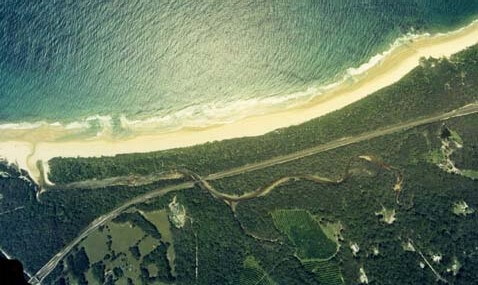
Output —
(424, 221)
(34, 228)
(436, 86)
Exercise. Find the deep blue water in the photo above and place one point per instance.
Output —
(67, 60)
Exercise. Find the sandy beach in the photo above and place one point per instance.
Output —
(26, 148)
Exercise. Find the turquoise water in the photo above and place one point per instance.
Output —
(191, 61)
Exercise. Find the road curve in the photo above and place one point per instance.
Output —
(50, 265)
(265, 190)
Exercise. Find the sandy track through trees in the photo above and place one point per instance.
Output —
(50, 265)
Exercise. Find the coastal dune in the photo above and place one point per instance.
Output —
(31, 146)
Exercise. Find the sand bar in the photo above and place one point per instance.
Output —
(26, 149)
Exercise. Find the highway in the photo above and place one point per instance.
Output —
(466, 110)
(50, 265)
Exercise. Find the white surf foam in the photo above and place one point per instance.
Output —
(220, 112)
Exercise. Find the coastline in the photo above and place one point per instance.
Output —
(27, 147)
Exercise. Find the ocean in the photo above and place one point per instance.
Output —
(119, 65)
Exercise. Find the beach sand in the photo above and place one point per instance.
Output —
(391, 68)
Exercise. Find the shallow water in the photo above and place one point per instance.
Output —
(113, 64)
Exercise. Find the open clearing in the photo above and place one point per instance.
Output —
(305, 233)
(254, 274)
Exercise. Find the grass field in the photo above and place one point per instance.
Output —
(95, 246)
(122, 252)
(331, 229)
(326, 272)
(387, 215)
(146, 245)
(462, 208)
(305, 233)
(124, 236)
(254, 274)
(473, 174)
(161, 222)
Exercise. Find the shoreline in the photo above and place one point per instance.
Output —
(26, 149)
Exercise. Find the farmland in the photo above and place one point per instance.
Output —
(126, 250)
(306, 234)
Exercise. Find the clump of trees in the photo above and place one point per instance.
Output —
(424, 214)
(437, 85)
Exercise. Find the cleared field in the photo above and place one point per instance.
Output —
(331, 230)
(95, 246)
(122, 263)
(326, 272)
(124, 236)
(153, 270)
(90, 278)
(125, 251)
(161, 222)
(305, 233)
(147, 245)
(254, 274)
(473, 174)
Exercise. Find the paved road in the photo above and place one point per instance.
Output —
(466, 110)
(48, 267)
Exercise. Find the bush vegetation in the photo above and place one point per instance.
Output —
(436, 86)
(305, 233)
(217, 235)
